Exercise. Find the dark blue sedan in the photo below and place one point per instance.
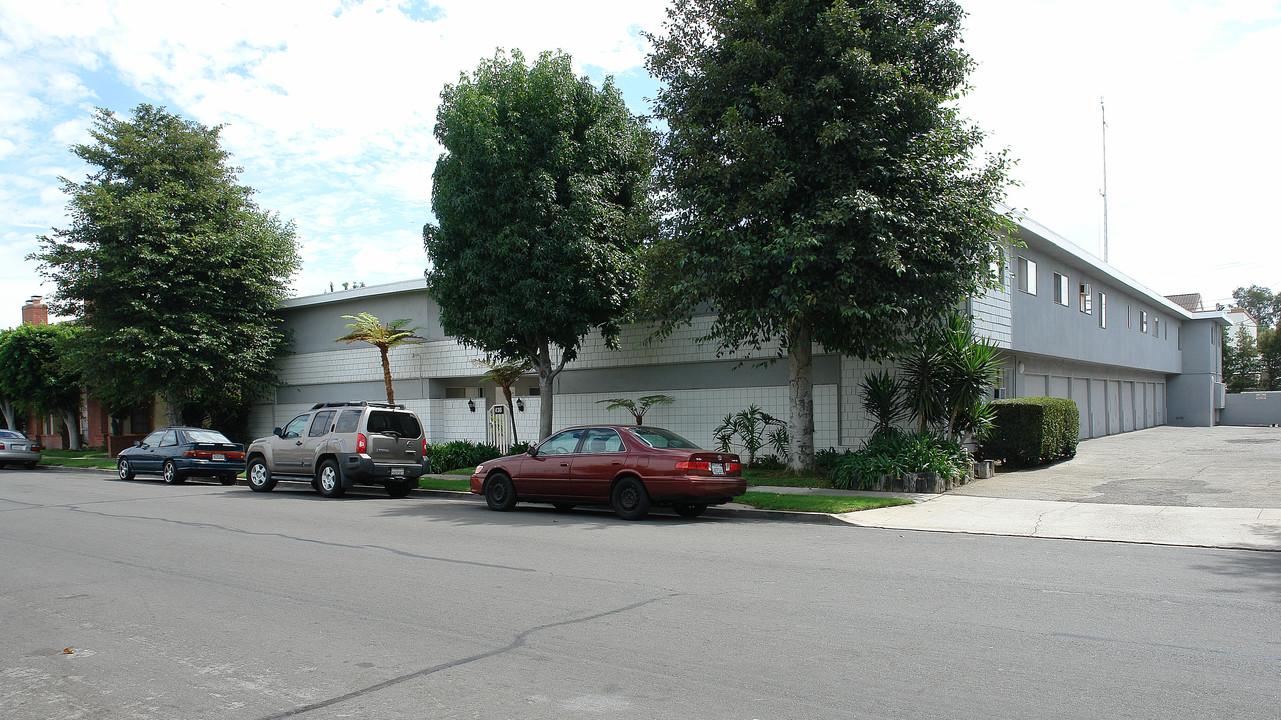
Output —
(179, 453)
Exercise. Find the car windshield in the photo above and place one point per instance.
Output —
(206, 436)
(660, 438)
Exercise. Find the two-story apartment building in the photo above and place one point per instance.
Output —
(1070, 326)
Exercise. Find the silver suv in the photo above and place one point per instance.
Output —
(341, 444)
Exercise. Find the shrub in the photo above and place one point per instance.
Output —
(896, 454)
(767, 462)
(1032, 431)
(825, 460)
(460, 454)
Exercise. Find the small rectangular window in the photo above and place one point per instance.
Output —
(1103, 310)
(1027, 275)
(1156, 326)
(1085, 298)
(1060, 289)
(1143, 321)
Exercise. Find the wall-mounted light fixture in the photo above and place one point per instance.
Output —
(471, 405)
(520, 405)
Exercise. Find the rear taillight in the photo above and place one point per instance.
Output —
(424, 446)
(208, 454)
(695, 465)
(704, 467)
(1, 446)
(362, 445)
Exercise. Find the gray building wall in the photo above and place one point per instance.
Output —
(1252, 409)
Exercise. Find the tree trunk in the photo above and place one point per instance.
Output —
(511, 411)
(545, 377)
(391, 395)
(800, 405)
(72, 420)
(173, 413)
(6, 408)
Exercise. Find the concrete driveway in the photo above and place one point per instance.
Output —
(1219, 467)
(1209, 487)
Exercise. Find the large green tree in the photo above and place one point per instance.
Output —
(169, 266)
(823, 187)
(1269, 344)
(1262, 304)
(541, 200)
(36, 374)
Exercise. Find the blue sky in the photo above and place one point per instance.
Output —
(329, 108)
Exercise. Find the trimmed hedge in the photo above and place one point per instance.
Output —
(1032, 431)
(464, 453)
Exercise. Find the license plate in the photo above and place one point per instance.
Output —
(398, 472)
(718, 469)
(219, 457)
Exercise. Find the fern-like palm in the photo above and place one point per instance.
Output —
(504, 374)
(367, 328)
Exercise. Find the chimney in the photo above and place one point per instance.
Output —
(35, 312)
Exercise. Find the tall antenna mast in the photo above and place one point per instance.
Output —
(1104, 192)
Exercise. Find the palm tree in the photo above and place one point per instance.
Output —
(367, 328)
(638, 407)
(504, 374)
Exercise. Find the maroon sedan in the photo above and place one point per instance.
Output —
(631, 467)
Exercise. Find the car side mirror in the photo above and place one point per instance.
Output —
(532, 452)
(276, 431)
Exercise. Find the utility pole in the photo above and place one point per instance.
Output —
(1104, 191)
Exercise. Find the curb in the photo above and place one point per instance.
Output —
(720, 511)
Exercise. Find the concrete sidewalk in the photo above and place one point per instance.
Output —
(1235, 528)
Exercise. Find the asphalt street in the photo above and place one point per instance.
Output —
(199, 601)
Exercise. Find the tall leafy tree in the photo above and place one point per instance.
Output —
(1262, 304)
(1269, 344)
(168, 265)
(823, 186)
(1242, 363)
(36, 374)
(541, 203)
(368, 329)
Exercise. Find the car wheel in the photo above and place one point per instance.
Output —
(171, 475)
(631, 501)
(260, 479)
(689, 510)
(227, 479)
(328, 481)
(31, 466)
(564, 507)
(398, 489)
(500, 494)
(124, 470)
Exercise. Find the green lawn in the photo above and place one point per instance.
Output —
(817, 503)
(431, 483)
(782, 478)
(92, 458)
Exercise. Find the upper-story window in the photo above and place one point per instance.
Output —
(1143, 321)
(1156, 326)
(1085, 298)
(1027, 275)
(1103, 310)
(1060, 289)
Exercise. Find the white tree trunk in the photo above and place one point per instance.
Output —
(800, 405)
(6, 408)
(72, 419)
(545, 377)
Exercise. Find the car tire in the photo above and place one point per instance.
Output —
(689, 510)
(329, 480)
(31, 466)
(124, 469)
(564, 507)
(227, 479)
(171, 475)
(399, 489)
(259, 476)
(630, 499)
(500, 493)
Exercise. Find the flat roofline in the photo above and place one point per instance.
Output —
(391, 288)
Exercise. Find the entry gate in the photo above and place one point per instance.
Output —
(498, 429)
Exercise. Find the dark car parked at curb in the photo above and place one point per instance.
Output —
(629, 467)
(17, 449)
(178, 453)
(341, 444)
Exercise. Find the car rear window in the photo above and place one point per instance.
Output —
(348, 421)
(660, 438)
(384, 421)
(206, 436)
(9, 434)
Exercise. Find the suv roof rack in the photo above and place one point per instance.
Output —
(358, 403)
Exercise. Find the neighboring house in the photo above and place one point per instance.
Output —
(1241, 320)
(1070, 326)
(94, 421)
